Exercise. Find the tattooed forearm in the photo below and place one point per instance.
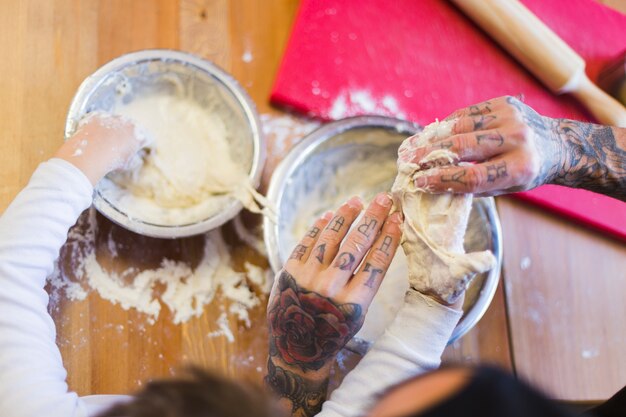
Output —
(591, 156)
(578, 154)
(306, 396)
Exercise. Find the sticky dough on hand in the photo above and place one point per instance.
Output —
(435, 224)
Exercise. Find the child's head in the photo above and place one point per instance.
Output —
(198, 394)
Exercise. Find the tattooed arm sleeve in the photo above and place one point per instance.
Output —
(412, 345)
(590, 156)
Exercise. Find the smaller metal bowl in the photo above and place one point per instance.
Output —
(166, 71)
(314, 178)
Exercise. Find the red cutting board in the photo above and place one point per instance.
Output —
(422, 59)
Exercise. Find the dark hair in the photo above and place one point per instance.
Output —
(197, 394)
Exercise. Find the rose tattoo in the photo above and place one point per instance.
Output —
(306, 328)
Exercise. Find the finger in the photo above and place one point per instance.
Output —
(468, 147)
(302, 251)
(367, 280)
(486, 107)
(475, 123)
(488, 178)
(331, 236)
(360, 239)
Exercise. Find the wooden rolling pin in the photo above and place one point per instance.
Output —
(543, 53)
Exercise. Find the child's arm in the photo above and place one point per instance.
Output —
(32, 230)
(412, 345)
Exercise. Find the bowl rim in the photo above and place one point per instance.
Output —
(309, 145)
(228, 82)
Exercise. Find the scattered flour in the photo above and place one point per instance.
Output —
(174, 284)
(525, 263)
(247, 57)
(589, 353)
(224, 328)
(359, 102)
(283, 131)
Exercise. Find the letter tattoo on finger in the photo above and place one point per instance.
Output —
(495, 138)
(298, 252)
(443, 145)
(313, 232)
(374, 272)
(496, 171)
(345, 261)
(336, 223)
(476, 110)
(457, 177)
(367, 227)
(321, 250)
(386, 245)
(482, 122)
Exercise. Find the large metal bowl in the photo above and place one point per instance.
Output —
(313, 179)
(166, 71)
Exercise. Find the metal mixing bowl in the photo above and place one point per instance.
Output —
(313, 179)
(166, 71)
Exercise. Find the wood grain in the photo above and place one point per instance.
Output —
(50, 47)
(565, 289)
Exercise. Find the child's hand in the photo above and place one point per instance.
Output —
(102, 143)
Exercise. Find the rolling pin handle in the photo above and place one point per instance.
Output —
(602, 106)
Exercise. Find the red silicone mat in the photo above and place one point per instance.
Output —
(422, 59)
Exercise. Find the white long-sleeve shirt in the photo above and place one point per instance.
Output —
(32, 230)
(32, 377)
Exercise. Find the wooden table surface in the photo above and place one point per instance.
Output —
(557, 320)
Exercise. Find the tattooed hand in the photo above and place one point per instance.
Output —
(320, 298)
(515, 149)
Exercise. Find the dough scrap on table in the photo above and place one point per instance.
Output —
(435, 224)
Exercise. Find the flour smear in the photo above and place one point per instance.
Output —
(183, 290)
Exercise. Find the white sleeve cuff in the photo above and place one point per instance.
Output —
(412, 345)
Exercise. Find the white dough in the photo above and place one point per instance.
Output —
(435, 224)
(187, 173)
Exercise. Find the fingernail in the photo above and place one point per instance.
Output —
(355, 202)
(396, 217)
(421, 182)
(328, 215)
(383, 199)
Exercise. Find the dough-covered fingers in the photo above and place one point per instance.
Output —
(360, 239)
(474, 147)
(490, 178)
(367, 280)
(331, 236)
(101, 144)
(301, 252)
